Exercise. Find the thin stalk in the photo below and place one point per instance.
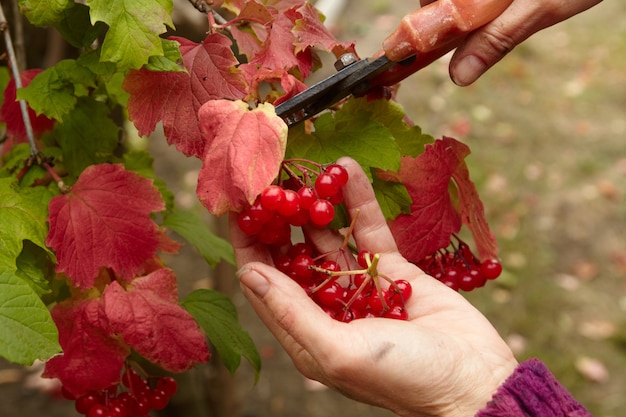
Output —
(4, 26)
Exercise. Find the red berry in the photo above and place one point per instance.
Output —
(397, 312)
(300, 267)
(248, 224)
(451, 282)
(326, 186)
(339, 172)
(168, 385)
(85, 402)
(300, 218)
(321, 213)
(97, 410)
(377, 305)
(272, 197)
(260, 213)
(283, 264)
(362, 257)
(307, 197)
(331, 295)
(357, 302)
(491, 269)
(158, 399)
(402, 288)
(290, 204)
(337, 198)
(300, 248)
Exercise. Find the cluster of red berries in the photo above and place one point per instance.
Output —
(294, 203)
(345, 295)
(459, 268)
(134, 397)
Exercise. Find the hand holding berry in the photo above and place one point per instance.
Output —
(446, 359)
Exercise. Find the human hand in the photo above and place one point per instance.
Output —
(446, 359)
(483, 48)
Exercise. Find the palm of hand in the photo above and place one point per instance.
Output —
(446, 359)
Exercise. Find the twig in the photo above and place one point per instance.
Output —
(203, 7)
(4, 27)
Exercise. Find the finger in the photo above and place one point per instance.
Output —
(488, 45)
(371, 231)
(299, 325)
(247, 248)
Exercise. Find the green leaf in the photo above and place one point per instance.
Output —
(217, 316)
(393, 198)
(195, 231)
(35, 267)
(134, 29)
(141, 163)
(348, 133)
(171, 61)
(27, 331)
(44, 12)
(76, 28)
(23, 216)
(54, 91)
(410, 139)
(87, 135)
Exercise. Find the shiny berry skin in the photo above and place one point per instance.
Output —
(97, 410)
(339, 172)
(491, 268)
(321, 213)
(326, 186)
(300, 267)
(85, 402)
(168, 385)
(272, 197)
(331, 295)
(397, 312)
(290, 204)
(362, 257)
(300, 248)
(307, 197)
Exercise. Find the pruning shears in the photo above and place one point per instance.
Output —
(422, 37)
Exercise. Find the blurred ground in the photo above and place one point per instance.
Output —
(547, 127)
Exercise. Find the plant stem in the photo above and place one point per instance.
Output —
(4, 26)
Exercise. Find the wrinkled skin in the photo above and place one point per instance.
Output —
(446, 360)
(486, 46)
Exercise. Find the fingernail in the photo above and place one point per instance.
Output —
(254, 281)
(467, 70)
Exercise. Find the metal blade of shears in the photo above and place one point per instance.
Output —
(352, 77)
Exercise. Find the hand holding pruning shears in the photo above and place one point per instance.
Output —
(506, 24)
(481, 31)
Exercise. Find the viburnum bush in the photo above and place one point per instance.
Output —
(83, 219)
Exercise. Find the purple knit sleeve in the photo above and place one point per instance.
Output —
(532, 391)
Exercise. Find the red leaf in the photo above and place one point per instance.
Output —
(433, 216)
(175, 97)
(310, 31)
(104, 222)
(256, 76)
(243, 153)
(148, 318)
(473, 214)
(279, 50)
(91, 359)
(11, 114)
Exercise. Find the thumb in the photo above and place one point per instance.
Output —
(485, 47)
(285, 308)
